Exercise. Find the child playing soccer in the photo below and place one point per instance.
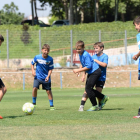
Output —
(2, 86)
(102, 59)
(136, 23)
(44, 67)
(92, 68)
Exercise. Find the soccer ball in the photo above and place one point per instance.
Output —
(28, 108)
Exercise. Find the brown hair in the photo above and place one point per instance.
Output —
(80, 43)
(100, 44)
(46, 46)
(1, 38)
(136, 20)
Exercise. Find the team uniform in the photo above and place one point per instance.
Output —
(43, 65)
(94, 73)
(138, 41)
(103, 58)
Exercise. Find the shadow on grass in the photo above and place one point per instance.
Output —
(113, 109)
(13, 117)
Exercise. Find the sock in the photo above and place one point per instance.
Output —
(34, 100)
(83, 102)
(51, 103)
(139, 112)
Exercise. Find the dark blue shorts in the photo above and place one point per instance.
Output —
(100, 84)
(1, 84)
(45, 85)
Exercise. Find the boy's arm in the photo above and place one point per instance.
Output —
(80, 70)
(135, 57)
(49, 74)
(33, 71)
(100, 63)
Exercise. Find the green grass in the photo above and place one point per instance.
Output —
(114, 122)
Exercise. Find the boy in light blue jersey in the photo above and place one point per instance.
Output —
(44, 67)
(136, 23)
(92, 69)
(102, 60)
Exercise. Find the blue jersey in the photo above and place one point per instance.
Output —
(87, 61)
(103, 58)
(138, 41)
(43, 65)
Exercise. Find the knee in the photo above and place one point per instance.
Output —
(34, 89)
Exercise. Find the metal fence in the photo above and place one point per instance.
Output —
(67, 79)
(20, 47)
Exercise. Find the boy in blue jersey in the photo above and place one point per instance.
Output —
(2, 86)
(136, 23)
(44, 67)
(92, 68)
(102, 60)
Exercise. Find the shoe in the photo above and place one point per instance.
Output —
(137, 116)
(1, 117)
(94, 108)
(103, 101)
(52, 108)
(81, 108)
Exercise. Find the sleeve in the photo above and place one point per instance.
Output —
(51, 66)
(105, 60)
(88, 63)
(138, 40)
(34, 61)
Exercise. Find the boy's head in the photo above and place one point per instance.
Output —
(1, 39)
(45, 50)
(136, 23)
(98, 47)
(80, 47)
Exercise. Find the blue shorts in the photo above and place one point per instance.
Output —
(45, 85)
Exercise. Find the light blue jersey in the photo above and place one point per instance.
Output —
(87, 61)
(43, 65)
(103, 58)
(138, 41)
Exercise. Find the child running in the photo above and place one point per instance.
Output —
(102, 59)
(136, 23)
(2, 86)
(92, 68)
(44, 67)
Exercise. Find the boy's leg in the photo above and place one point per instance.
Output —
(34, 92)
(99, 89)
(2, 92)
(83, 101)
(34, 95)
(138, 116)
(50, 97)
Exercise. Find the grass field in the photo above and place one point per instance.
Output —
(114, 122)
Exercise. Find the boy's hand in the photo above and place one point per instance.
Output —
(33, 73)
(135, 57)
(83, 78)
(47, 79)
(76, 71)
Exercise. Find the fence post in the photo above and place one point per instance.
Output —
(71, 44)
(23, 81)
(61, 80)
(130, 79)
(40, 41)
(125, 44)
(99, 35)
(7, 32)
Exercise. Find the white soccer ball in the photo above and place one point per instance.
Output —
(28, 108)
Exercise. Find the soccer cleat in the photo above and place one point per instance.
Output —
(94, 108)
(81, 108)
(52, 108)
(103, 101)
(1, 117)
(137, 116)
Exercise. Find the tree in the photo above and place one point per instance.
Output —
(9, 14)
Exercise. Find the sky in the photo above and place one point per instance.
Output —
(24, 6)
